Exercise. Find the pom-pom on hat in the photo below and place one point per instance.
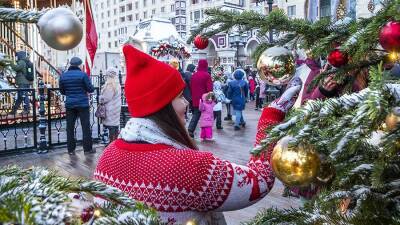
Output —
(150, 84)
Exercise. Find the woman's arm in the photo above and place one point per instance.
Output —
(106, 95)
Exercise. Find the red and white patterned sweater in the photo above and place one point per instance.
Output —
(186, 184)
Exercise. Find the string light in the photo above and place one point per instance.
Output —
(97, 213)
(341, 11)
(394, 56)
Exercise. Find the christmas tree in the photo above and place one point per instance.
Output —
(358, 162)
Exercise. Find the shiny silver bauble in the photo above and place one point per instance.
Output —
(60, 28)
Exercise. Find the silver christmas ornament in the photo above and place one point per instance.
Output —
(61, 29)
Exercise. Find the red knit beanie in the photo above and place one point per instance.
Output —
(150, 84)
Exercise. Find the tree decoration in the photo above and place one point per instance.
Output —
(392, 119)
(295, 165)
(371, 6)
(200, 42)
(60, 28)
(165, 48)
(341, 11)
(276, 65)
(389, 36)
(337, 58)
(38, 196)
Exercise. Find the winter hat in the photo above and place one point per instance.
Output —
(238, 74)
(111, 72)
(150, 84)
(174, 63)
(75, 61)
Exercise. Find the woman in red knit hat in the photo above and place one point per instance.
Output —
(156, 162)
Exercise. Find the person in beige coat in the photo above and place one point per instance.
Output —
(110, 96)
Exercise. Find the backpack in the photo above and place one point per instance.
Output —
(29, 70)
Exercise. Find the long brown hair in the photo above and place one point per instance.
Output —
(170, 124)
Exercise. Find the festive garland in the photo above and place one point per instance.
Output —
(175, 49)
(39, 196)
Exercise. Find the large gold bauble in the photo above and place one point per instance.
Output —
(295, 166)
(268, 60)
(61, 29)
(392, 119)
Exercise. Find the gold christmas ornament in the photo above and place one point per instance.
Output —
(392, 119)
(295, 165)
(276, 65)
(61, 29)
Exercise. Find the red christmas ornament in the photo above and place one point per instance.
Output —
(337, 58)
(200, 43)
(389, 37)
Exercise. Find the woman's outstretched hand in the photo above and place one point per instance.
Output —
(288, 98)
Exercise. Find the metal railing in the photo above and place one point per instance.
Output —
(39, 122)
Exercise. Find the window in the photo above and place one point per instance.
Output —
(122, 19)
(183, 27)
(109, 23)
(109, 34)
(102, 15)
(129, 7)
(116, 43)
(137, 16)
(325, 10)
(144, 3)
(102, 5)
(153, 11)
(108, 13)
(144, 15)
(291, 11)
(109, 44)
(162, 9)
(115, 33)
(102, 25)
(183, 20)
(153, 2)
(122, 9)
(195, 1)
(196, 16)
(136, 5)
(115, 11)
(129, 18)
(191, 15)
(173, 8)
(108, 3)
(115, 22)
(183, 4)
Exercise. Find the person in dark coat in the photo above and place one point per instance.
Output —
(186, 92)
(76, 86)
(237, 92)
(200, 83)
(21, 70)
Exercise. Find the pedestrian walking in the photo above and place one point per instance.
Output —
(76, 86)
(252, 87)
(228, 102)
(206, 107)
(23, 79)
(200, 84)
(237, 92)
(155, 157)
(187, 92)
(110, 97)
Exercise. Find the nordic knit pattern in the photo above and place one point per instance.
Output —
(186, 184)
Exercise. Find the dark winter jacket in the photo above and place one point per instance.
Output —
(76, 85)
(186, 77)
(21, 69)
(238, 90)
(200, 83)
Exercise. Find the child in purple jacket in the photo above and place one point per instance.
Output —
(206, 107)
